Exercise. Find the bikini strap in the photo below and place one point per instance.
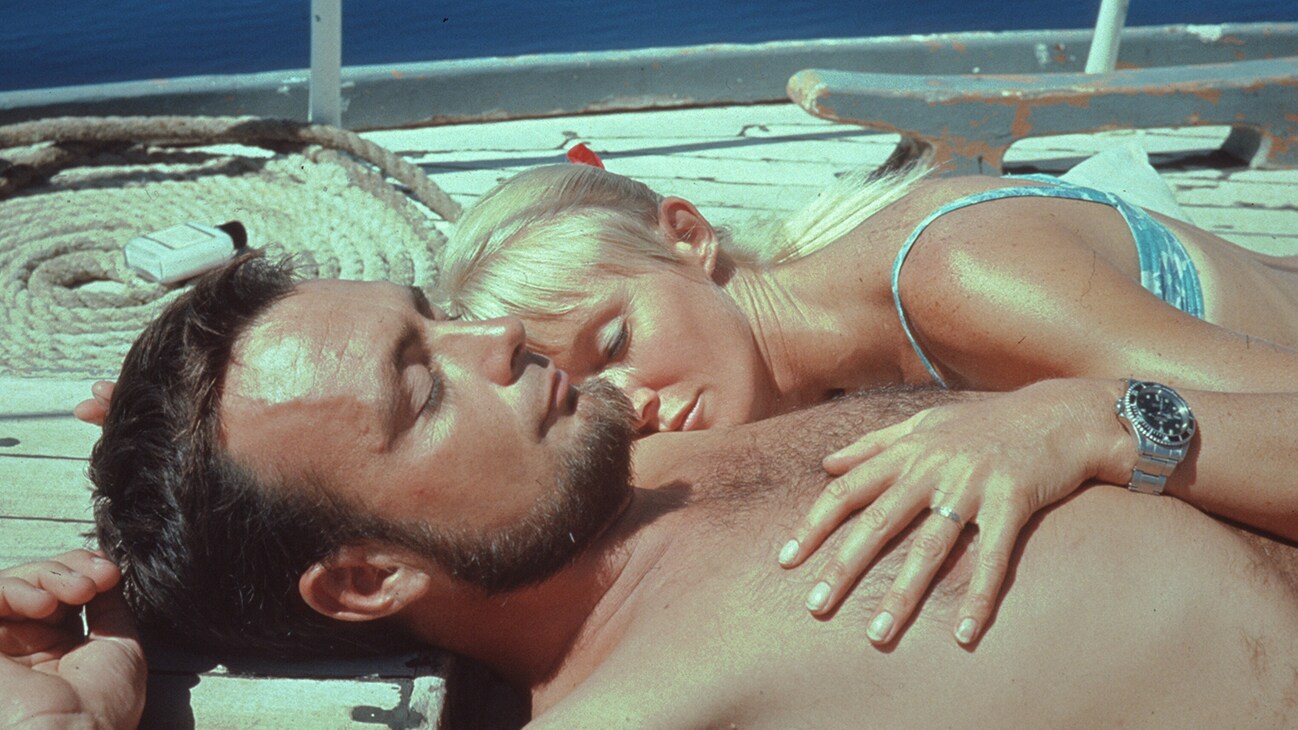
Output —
(1055, 191)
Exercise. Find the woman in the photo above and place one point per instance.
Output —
(1026, 285)
(975, 282)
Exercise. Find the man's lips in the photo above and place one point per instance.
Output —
(559, 389)
(559, 399)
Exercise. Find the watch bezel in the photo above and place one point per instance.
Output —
(1141, 421)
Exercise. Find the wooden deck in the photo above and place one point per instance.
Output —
(733, 162)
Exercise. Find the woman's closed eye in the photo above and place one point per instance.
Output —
(436, 392)
(617, 341)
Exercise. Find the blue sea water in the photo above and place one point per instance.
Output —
(68, 42)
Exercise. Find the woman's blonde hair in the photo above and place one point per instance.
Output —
(531, 246)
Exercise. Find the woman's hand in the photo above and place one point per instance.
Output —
(51, 674)
(94, 410)
(992, 462)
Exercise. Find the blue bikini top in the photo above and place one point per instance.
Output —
(1166, 270)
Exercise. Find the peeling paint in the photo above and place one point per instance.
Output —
(1043, 54)
(996, 111)
(1206, 33)
(1022, 125)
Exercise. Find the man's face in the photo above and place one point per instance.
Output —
(450, 426)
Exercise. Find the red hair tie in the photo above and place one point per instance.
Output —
(580, 154)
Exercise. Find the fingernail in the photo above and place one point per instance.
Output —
(788, 552)
(880, 628)
(965, 632)
(818, 597)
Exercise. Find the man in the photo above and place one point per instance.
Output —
(458, 494)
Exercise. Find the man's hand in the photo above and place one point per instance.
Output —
(53, 675)
(94, 410)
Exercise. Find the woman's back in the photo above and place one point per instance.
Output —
(1040, 253)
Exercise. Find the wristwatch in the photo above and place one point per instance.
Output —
(1162, 424)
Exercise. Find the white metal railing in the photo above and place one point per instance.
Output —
(325, 106)
(1108, 32)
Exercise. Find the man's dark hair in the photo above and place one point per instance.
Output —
(210, 553)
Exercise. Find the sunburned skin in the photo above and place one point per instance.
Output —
(1043, 298)
(1107, 591)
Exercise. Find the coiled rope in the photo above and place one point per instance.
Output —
(74, 190)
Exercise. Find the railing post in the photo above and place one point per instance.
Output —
(325, 105)
(1108, 33)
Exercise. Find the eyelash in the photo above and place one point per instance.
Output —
(621, 341)
(435, 395)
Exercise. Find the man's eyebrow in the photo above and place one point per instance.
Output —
(391, 384)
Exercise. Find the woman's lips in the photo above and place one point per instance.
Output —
(692, 416)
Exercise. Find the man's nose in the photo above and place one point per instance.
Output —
(644, 398)
(496, 348)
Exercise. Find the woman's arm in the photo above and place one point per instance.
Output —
(1040, 304)
(995, 461)
(1241, 462)
(1007, 308)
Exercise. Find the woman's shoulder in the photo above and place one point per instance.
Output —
(930, 195)
(867, 252)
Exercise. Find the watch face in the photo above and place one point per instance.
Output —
(1160, 413)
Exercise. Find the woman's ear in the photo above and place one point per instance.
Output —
(688, 232)
(363, 583)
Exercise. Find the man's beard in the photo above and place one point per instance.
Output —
(593, 485)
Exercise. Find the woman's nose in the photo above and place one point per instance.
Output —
(495, 347)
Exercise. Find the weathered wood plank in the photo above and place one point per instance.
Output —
(41, 435)
(1249, 228)
(1275, 194)
(36, 417)
(1155, 141)
(218, 702)
(26, 395)
(44, 488)
(23, 540)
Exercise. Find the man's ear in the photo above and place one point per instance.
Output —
(363, 583)
(689, 232)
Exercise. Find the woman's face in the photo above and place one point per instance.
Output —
(675, 342)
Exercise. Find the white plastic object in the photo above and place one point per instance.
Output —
(184, 251)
